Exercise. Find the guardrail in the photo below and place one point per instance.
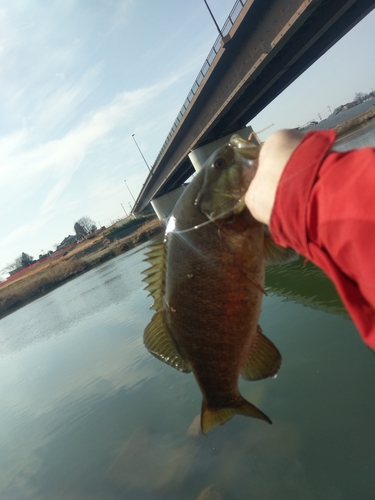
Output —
(234, 13)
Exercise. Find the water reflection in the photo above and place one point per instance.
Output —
(59, 366)
(87, 299)
(304, 283)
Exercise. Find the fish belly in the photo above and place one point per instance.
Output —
(212, 304)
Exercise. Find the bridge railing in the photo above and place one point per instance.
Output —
(234, 13)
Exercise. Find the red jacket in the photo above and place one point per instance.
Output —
(325, 209)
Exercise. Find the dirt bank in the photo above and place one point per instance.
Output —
(356, 123)
(83, 257)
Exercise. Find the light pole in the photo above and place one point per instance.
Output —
(224, 39)
(129, 191)
(124, 209)
(139, 149)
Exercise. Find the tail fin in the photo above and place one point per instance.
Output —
(210, 417)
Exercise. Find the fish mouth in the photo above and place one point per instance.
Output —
(240, 206)
(229, 206)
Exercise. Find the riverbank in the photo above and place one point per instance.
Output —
(347, 120)
(356, 123)
(84, 256)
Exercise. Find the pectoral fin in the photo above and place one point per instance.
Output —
(264, 359)
(275, 254)
(211, 417)
(158, 341)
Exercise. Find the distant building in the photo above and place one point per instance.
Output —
(69, 240)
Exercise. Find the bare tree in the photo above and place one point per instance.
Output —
(84, 226)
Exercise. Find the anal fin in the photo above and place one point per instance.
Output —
(158, 341)
(264, 359)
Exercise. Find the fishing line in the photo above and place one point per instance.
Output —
(171, 228)
(172, 223)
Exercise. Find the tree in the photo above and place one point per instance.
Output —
(84, 226)
(23, 260)
(79, 230)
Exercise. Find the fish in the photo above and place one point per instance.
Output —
(207, 282)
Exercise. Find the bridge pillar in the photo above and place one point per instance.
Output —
(164, 205)
(199, 156)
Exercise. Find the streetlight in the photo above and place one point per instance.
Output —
(129, 191)
(224, 39)
(124, 209)
(139, 149)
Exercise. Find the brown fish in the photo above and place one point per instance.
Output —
(207, 281)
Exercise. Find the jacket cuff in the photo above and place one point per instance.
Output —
(289, 214)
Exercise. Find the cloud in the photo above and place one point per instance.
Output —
(59, 107)
(44, 180)
(24, 232)
(69, 150)
(70, 101)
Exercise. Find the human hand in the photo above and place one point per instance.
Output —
(273, 157)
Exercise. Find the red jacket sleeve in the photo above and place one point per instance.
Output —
(325, 209)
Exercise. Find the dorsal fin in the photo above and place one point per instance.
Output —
(264, 359)
(155, 275)
(158, 341)
(275, 254)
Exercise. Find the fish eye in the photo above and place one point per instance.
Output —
(219, 164)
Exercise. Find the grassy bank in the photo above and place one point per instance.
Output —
(84, 256)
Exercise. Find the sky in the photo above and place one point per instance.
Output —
(79, 77)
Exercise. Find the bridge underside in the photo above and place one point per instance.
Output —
(272, 43)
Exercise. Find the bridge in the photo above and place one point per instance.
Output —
(265, 45)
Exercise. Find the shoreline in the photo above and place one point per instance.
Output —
(48, 276)
(356, 123)
(87, 255)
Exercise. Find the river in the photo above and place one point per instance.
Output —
(87, 413)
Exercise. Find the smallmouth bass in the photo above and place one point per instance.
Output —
(207, 280)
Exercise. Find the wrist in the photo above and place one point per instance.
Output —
(273, 158)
